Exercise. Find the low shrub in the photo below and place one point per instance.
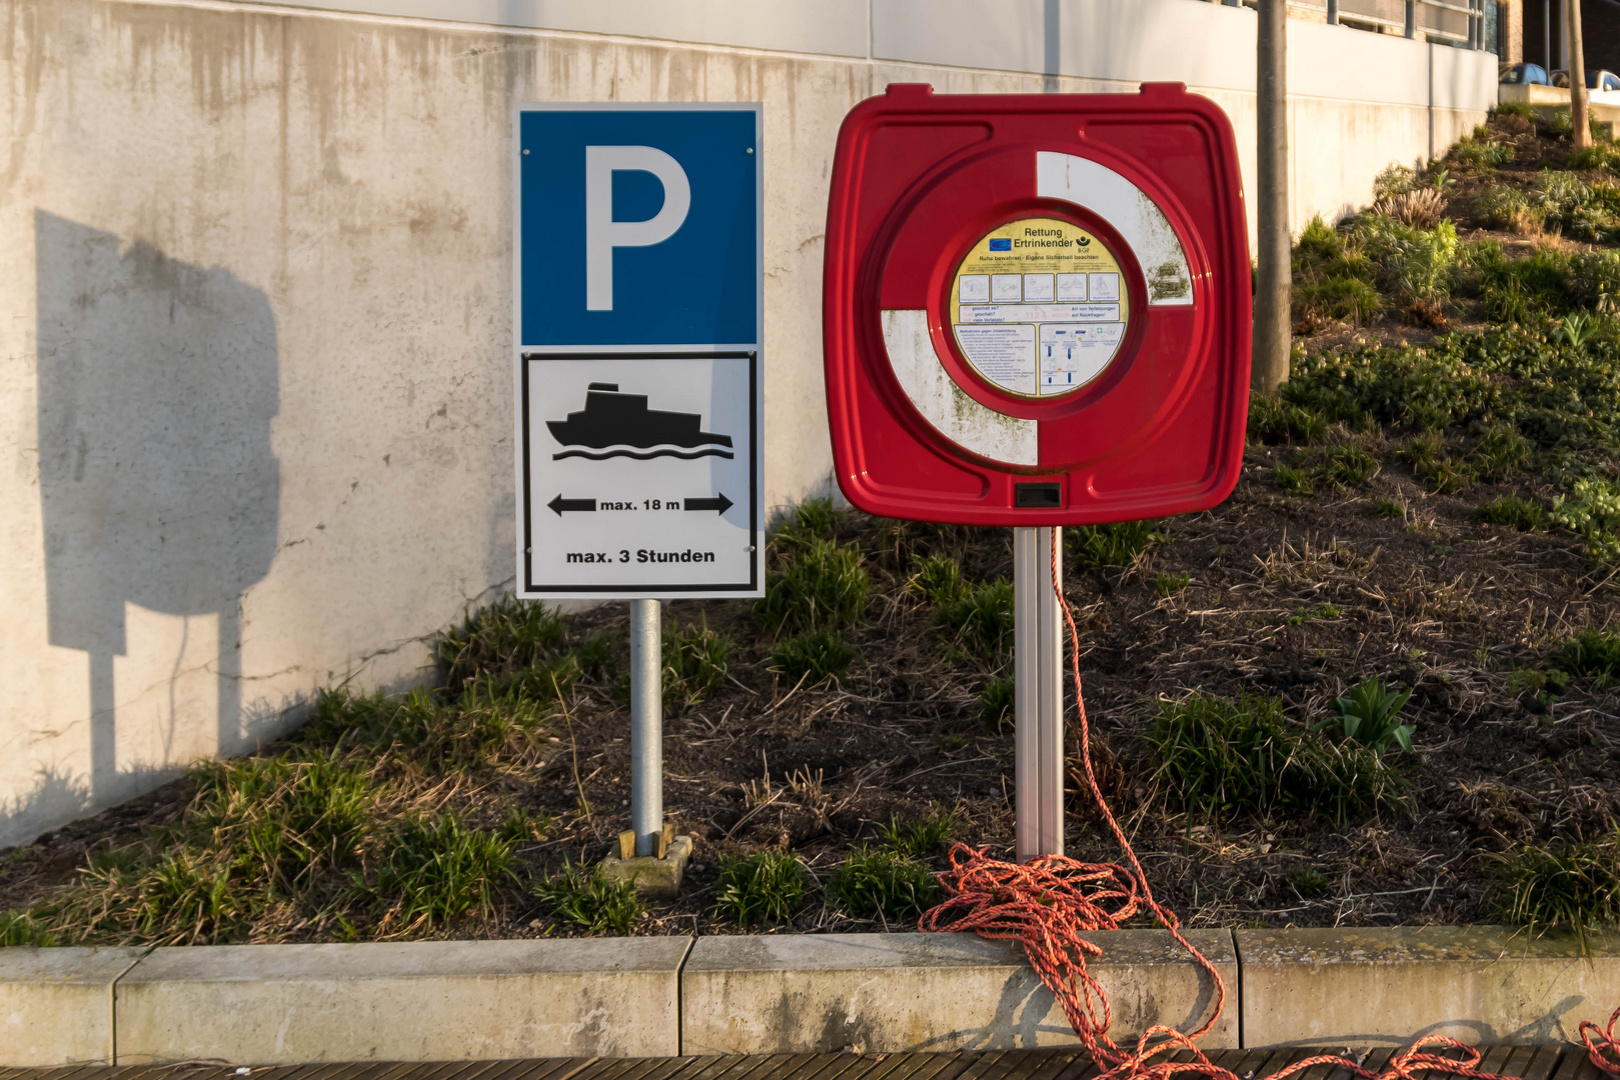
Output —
(982, 617)
(996, 701)
(1370, 715)
(937, 578)
(1480, 153)
(1591, 652)
(878, 884)
(1093, 547)
(1592, 511)
(1238, 756)
(819, 585)
(1272, 422)
(436, 869)
(916, 837)
(1521, 514)
(1561, 885)
(812, 657)
(695, 662)
(765, 888)
(1344, 298)
(1411, 263)
(584, 898)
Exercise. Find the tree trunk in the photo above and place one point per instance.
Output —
(1582, 135)
(1271, 298)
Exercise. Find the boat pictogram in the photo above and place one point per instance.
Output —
(616, 424)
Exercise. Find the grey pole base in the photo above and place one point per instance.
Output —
(1038, 679)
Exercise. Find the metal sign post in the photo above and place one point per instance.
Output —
(1038, 681)
(638, 308)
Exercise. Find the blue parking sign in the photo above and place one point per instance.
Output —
(637, 274)
(639, 225)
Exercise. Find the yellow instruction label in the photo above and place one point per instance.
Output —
(1039, 307)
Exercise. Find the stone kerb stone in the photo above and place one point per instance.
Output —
(416, 1001)
(891, 993)
(1382, 987)
(56, 1005)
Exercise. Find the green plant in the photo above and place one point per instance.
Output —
(586, 899)
(1092, 547)
(1320, 611)
(23, 928)
(996, 701)
(1396, 179)
(596, 654)
(1522, 109)
(436, 869)
(1594, 283)
(1563, 884)
(1389, 509)
(1369, 714)
(522, 827)
(1291, 479)
(982, 617)
(1576, 328)
(1412, 263)
(1307, 881)
(812, 657)
(915, 837)
(1591, 652)
(878, 884)
(507, 636)
(1343, 298)
(1500, 451)
(938, 578)
(819, 586)
(1592, 510)
(695, 662)
(1230, 756)
(1503, 207)
(1597, 156)
(1521, 514)
(1480, 153)
(1167, 585)
(1272, 422)
(813, 519)
(1341, 466)
(766, 887)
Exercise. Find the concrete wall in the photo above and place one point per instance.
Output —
(254, 409)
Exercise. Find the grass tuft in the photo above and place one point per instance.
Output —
(767, 887)
(1093, 547)
(436, 869)
(878, 884)
(1591, 652)
(916, 837)
(814, 657)
(982, 617)
(996, 703)
(586, 899)
(1561, 885)
(1237, 756)
(1521, 514)
(695, 662)
(818, 586)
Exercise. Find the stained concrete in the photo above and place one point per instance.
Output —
(406, 1001)
(56, 1005)
(1381, 987)
(891, 993)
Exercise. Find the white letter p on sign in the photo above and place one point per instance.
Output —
(603, 234)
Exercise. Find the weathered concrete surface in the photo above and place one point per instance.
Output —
(56, 1005)
(256, 397)
(653, 877)
(882, 993)
(1380, 987)
(416, 1001)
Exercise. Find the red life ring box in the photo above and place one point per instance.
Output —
(1037, 307)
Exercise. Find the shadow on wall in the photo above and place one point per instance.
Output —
(157, 385)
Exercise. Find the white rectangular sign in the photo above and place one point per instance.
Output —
(641, 476)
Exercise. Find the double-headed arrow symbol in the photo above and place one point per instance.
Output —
(719, 503)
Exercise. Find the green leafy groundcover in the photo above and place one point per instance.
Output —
(1563, 398)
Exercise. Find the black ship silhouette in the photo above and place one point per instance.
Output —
(615, 424)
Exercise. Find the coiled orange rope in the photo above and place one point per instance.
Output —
(1046, 904)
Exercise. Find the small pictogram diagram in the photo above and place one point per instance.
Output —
(615, 424)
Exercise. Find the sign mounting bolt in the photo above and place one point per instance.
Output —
(525, 153)
(750, 150)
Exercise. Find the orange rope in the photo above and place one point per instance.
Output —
(1046, 903)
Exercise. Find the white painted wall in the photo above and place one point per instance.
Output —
(255, 314)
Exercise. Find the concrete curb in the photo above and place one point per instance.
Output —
(633, 997)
